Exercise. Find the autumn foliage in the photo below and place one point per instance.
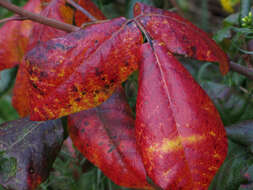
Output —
(177, 140)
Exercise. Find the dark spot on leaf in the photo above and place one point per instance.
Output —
(107, 86)
(98, 73)
(83, 93)
(78, 99)
(96, 91)
(126, 64)
(103, 78)
(193, 51)
(82, 130)
(34, 85)
(43, 74)
(74, 88)
(31, 170)
(96, 41)
(86, 123)
(112, 81)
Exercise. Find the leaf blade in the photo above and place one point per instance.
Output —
(105, 136)
(174, 119)
(180, 35)
(93, 53)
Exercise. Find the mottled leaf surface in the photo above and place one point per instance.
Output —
(179, 35)
(58, 10)
(105, 136)
(14, 36)
(179, 132)
(81, 70)
(81, 18)
(28, 150)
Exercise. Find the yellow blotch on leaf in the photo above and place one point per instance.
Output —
(168, 145)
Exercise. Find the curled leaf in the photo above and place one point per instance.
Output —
(28, 150)
(105, 136)
(179, 35)
(81, 70)
(179, 132)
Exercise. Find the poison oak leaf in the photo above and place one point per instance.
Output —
(14, 36)
(105, 136)
(81, 18)
(179, 132)
(81, 70)
(179, 35)
(58, 10)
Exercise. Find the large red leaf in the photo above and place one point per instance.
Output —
(88, 5)
(105, 136)
(179, 132)
(81, 70)
(58, 10)
(14, 37)
(179, 35)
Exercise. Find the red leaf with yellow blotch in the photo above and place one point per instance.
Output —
(58, 10)
(105, 136)
(81, 70)
(14, 37)
(179, 35)
(81, 18)
(179, 132)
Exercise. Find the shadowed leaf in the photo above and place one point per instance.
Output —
(28, 150)
(105, 136)
(241, 133)
(179, 132)
(179, 35)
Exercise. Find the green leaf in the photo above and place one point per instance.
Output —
(231, 174)
(241, 132)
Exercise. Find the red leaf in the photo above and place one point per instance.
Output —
(81, 70)
(56, 9)
(105, 136)
(14, 36)
(180, 36)
(80, 18)
(179, 131)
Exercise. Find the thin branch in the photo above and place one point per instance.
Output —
(38, 18)
(13, 18)
(78, 7)
(248, 72)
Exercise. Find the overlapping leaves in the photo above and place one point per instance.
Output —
(180, 140)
